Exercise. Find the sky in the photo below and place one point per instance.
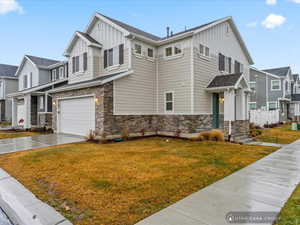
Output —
(270, 28)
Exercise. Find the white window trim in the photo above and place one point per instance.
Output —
(165, 102)
(134, 50)
(272, 103)
(148, 52)
(252, 82)
(54, 75)
(252, 103)
(61, 72)
(173, 55)
(204, 51)
(272, 89)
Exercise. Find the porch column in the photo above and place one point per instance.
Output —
(14, 117)
(229, 105)
(46, 102)
(27, 102)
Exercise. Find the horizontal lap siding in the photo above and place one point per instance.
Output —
(175, 75)
(136, 93)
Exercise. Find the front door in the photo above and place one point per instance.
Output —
(216, 113)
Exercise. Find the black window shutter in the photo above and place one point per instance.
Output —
(105, 58)
(73, 64)
(85, 61)
(121, 54)
(229, 65)
(221, 62)
(236, 67)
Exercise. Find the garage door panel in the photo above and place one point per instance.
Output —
(77, 116)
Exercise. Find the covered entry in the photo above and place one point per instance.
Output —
(235, 91)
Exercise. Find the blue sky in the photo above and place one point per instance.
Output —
(270, 28)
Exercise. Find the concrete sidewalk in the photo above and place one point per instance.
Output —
(262, 186)
(41, 141)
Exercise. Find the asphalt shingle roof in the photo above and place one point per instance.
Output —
(224, 80)
(42, 62)
(92, 40)
(278, 71)
(8, 70)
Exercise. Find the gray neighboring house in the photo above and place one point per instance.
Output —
(8, 84)
(31, 103)
(121, 77)
(275, 89)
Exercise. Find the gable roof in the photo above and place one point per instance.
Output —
(84, 36)
(130, 30)
(229, 80)
(8, 70)
(282, 71)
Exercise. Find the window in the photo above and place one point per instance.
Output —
(237, 67)
(169, 51)
(150, 52)
(54, 75)
(272, 105)
(138, 49)
(252, 105)
(169, 101)
(111, 57)
(228, 64)
(114, 56)
(275, 85)
(121, 54)
(25, 82)
(177, 49)
(85, 61)
(61, 72)
(30, 80)
(221, 62)
(252, 85)
(204, 50)
(41, 102)
(75, 64)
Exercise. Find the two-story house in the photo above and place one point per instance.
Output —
(31, 104)
(273, 89)
(8, 84)
(123, 78)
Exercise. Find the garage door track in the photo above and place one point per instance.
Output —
(27, 143)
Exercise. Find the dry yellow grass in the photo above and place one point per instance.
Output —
(13, 134)
(280, 135)
(122, 183)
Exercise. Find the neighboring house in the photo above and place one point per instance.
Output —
(31, 104)
(274, 89)
(8, 84)
(121, 77)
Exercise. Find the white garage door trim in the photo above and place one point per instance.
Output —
(59, 115)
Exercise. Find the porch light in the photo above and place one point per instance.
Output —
(54, 103)
(97, 101)
(221, 100)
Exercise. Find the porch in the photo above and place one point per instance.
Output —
(231, 92)
(32, 110)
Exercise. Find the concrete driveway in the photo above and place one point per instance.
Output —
(41, 141)
(262, 187)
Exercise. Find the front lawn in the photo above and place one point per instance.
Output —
(290, 213)
(14, 134)
(280, 135)
(122, 183)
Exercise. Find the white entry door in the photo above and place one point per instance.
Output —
(77, 115)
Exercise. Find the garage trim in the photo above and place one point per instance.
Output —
(71, 97)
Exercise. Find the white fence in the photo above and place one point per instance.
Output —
(261, 117)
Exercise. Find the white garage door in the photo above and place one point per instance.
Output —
(77, 116)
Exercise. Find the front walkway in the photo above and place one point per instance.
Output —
(262, 186)
(41, 141)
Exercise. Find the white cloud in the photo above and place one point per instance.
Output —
(272, 21)
(7, 6)
(271, 2)
(252, 24)
(296, 1)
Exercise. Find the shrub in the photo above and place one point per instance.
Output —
(125, 134)
(212, 135)
(103, 139)
(92, 136)
(255, 132)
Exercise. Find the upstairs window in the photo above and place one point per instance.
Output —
(169, 51)
(275, 85)
(150, 52)
(252, 85)
(61, 72)
(169, 101)
(114, 56)
(221, 62)
(204, 50)
(177, 49)
(75, 64)
(85, 61)
(25, 82)
(30, 80)
(228, 65)
(138, 49)
(54, 75)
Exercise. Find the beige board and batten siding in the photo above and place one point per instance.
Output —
(174, 75)
(219, 39)
(136, 93)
